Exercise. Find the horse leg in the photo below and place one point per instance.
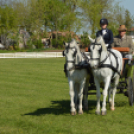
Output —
(116, 81)
(98, 95)
(85, 95)
(107, 82)
(109, 95)
(72, 94)
(76, 95)
(80, 95)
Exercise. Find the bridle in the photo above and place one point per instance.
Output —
(95, 44)
(100, 62)
(74, 55)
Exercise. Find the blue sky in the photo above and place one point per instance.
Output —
(128, 4)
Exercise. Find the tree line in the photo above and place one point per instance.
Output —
(39, 17)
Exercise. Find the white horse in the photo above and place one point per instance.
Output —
(106, 66)
(78, 78)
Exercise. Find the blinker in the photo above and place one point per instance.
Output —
(63, 53)
(75, 53)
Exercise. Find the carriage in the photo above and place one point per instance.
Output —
(126, 83)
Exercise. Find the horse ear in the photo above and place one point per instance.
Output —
(92, 40)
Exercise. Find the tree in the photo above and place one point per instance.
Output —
(128, 19)
(116, 17)
(8, 19)
(84, 40)
(93, 11)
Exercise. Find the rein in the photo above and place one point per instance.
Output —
(75, 66)
(101, 62)
(102, 65)
(109, 65)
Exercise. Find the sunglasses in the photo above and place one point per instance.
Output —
(121, 31)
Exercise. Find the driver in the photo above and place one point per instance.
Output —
(105, 33)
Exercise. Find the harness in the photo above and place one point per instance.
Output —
(110, 65)
(75, 67)
(102, 63)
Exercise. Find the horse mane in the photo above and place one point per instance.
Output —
(102, 42)
(73, 43)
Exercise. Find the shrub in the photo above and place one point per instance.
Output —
(39, 44)
(84, 40)
(59, 42)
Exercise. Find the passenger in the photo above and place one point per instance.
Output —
(105, 33)
(122, 40)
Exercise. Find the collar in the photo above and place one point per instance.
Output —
(124, 37)
(105, 29)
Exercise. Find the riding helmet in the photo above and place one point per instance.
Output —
(103, 21)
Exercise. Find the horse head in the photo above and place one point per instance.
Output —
(98, 51)
(72, 52)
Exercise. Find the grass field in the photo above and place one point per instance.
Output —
(34, 99)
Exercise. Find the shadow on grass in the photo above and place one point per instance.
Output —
(59, 108)
(121, 103)
(63, 108)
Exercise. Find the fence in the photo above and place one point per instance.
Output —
(31, 55)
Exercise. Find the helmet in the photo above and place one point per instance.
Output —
(103, 21)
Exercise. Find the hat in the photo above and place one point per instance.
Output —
(122, 28)
(103, 21)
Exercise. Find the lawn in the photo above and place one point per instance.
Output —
(34, 99)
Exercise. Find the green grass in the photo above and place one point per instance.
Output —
(34, 99)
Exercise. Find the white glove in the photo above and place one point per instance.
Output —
(129, 56)
(107, 45)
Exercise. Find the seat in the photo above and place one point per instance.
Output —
(122, 49)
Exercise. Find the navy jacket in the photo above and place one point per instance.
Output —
(108, 37)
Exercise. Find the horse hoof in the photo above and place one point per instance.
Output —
(103, 112)
(73, 113)
(80, 112)
(97, 112)
(112, 109)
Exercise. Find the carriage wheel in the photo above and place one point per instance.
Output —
(133, 86)
(130, 91)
